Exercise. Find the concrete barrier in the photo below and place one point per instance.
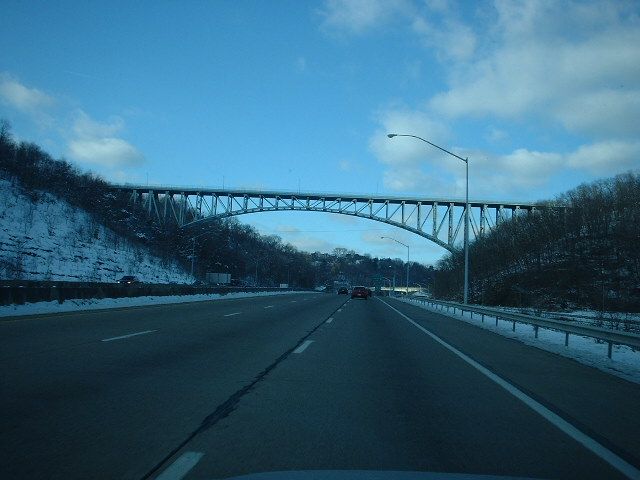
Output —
(19, 292)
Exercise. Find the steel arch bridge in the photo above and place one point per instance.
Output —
(436, 219)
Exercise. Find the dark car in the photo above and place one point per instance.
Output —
(343, 291)
(128, 280)
(360, 292)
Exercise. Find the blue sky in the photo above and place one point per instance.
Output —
(540, 95)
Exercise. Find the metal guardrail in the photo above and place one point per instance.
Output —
(610, 318)
(611, 337)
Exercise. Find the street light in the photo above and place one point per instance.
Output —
(398, 241)
(389, 280)
(466, 209)
(392, 286)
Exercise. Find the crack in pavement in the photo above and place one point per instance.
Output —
(228, 406)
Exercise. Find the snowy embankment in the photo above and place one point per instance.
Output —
(624, 321)
(45, 238)
(102, 303)
(624, 363)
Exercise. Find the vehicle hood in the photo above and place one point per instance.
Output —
(368, 475)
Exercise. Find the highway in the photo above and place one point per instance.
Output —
(299, 382)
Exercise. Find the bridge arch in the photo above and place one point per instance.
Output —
(204, 221)
(436, 219)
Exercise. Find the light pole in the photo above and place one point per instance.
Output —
(392, 286)
(388, 280)
(466, 209)
(398, 241)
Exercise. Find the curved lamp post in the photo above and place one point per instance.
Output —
(466, 210)
(398, 241)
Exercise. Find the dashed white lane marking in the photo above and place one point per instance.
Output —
(329, 320)
(232, 314)
(586, 441)
(127, 336)
(269, 306)
(293, 301)
(181, 466)
(303, 347)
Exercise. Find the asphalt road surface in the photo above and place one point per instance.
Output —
(299, 382)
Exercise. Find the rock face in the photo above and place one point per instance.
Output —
(45, 238)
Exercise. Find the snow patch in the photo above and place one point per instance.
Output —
(105, 303)
(45, 238)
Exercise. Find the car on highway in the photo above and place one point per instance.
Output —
(128, 280)
(360, 292)
(343, 291)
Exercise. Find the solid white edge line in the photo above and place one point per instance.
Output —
(127, 336)
(329, 320)
(183, 464)
(589, 443)
(303, 347)
(232, 314)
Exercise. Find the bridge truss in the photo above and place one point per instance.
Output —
(439, 220)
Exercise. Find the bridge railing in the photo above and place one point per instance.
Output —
(611, 337)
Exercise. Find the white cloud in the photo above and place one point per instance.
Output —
(414, 167)
(312, 244)
(496, 135)
(91, 141)
(450, 38)
(107, 152)
(357, 16)
(507, 176)
(572, 64)
(577, 64)
(567, 65)
(602, 113)
(405, 180)
(404, 151)
(21, 97)
(85, 127)
(97, 143)
(606, 158)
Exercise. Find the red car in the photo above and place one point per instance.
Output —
(360, 292)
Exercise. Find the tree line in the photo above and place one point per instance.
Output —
(580, 253)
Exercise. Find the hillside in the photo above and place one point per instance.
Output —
(45, 238)
(132, 242)
(581, 255)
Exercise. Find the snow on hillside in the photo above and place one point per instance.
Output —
(49, 239)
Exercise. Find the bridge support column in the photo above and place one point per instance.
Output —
(435, 219)
(450, 236)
